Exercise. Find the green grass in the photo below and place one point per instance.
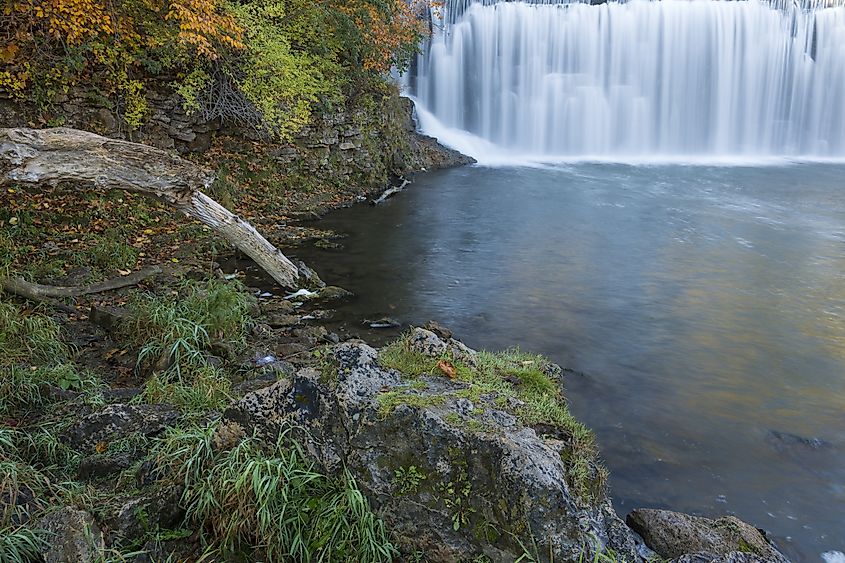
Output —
(507, 375)
(199, 390)
(109, 253)
(20, 544)
(271, 499)
(174, 330)
(24, 388)
(30, 338)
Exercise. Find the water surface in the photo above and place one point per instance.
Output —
(704, 305)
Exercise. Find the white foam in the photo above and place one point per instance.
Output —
(833, 557)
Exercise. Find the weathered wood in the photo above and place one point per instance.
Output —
(21, 287)
(390, 192)
(84, 160)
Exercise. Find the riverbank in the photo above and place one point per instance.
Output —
(179, 420)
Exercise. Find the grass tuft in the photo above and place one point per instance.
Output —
(20, 544)
(29, 387)
(271, 499)
(174, 330)
(31, 338)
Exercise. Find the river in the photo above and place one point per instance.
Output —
(703, 305)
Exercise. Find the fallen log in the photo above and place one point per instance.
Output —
(83, 160)
(36, 291)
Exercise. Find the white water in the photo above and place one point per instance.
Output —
(668, 80)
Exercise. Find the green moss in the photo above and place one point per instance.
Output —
(510, 377)
(392, 399)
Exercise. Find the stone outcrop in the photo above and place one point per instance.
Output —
(73, 537)
(452, 476)
(117, 421)
(693, 539)
(358, 144)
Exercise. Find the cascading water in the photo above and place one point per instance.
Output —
(671, 78)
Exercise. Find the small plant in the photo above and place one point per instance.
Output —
(408, 479)
(29, 386)
(457, 495)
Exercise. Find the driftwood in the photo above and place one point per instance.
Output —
(391, 192)
(35, 291)
(46, 293)
(84, 160)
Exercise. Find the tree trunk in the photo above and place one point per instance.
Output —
(84, 160)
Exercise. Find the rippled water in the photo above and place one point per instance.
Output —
(704, 305)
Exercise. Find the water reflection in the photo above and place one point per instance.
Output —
(705, 305)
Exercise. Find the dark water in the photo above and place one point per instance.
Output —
(705, 306)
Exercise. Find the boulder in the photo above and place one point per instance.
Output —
(452, 476)
(674, 535)
(119, 420)
(72, 537)
(430, 344)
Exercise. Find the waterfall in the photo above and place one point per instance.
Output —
(670, 78)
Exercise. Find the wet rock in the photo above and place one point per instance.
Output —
(118, 421)
(674, 534)
(74, 537)
(281, 320)
(121, 394)
(156, 509)
(309, 275)
(438, 329)
(310, 335)
(103, 465)
(333, 293)
(277, 306)
(489, 486)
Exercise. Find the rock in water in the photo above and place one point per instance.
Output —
(694, 539)
(452, 476)
(74, 537)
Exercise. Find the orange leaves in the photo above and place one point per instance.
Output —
(386, 29)
(203, 25)
(448, 369)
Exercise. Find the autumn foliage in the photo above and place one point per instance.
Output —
(306, 50)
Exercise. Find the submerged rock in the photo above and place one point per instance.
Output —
(452, 475)
(695, 539)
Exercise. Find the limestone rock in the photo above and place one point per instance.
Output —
(452, 477)
(118, 421)
(73, 535)
(426, 342)
(674, 534)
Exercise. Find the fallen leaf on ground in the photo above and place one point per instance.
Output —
(447, 368)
